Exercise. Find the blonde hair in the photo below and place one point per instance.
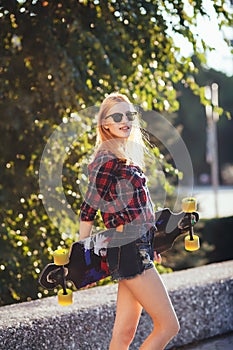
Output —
(135, 146)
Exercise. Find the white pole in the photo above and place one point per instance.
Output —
(212, 116)
(215, 180)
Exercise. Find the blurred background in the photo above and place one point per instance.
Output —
(59, 58)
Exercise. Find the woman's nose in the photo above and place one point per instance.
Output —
(125, 118)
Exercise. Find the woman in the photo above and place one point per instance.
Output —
(117, 186)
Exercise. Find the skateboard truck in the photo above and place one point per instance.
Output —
(61, 258)
(189, 205)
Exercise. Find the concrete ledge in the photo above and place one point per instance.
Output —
(202, 297)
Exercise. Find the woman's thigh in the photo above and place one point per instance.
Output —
(128, 310)
(149, 290)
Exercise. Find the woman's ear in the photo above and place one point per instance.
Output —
(105, 127)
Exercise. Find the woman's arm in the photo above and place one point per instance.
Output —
(101, 175)
(85, 229)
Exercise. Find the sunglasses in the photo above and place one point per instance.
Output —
(117, 117)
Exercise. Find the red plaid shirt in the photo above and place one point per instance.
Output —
(119, 191)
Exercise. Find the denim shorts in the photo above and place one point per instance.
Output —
(129, 260)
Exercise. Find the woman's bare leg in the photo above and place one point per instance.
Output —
(128, 313)
(149, 291)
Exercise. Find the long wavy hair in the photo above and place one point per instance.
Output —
(134, 149)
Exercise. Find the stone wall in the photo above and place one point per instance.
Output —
(202, 297)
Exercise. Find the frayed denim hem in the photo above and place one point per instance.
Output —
(117, 278)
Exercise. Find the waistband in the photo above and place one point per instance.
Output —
(131, 233)
(135, 227)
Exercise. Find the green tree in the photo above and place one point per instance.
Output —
(57, 58)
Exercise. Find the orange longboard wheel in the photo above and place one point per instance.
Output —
(65, 299)
(192, 245)
(61, 257)
(189, 204)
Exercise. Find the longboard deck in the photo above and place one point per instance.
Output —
(87, 261)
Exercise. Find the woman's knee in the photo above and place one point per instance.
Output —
(170, 326)
(174, 326)
(125, 334)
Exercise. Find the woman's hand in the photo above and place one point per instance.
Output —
(85, 229)
(157, 257)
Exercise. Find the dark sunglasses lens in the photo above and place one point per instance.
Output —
(117, 117)
(131, 115)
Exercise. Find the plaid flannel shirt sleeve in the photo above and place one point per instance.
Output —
(101, 175)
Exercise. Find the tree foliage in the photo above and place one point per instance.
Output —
(58, 57)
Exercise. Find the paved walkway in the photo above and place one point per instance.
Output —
(224, 342)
